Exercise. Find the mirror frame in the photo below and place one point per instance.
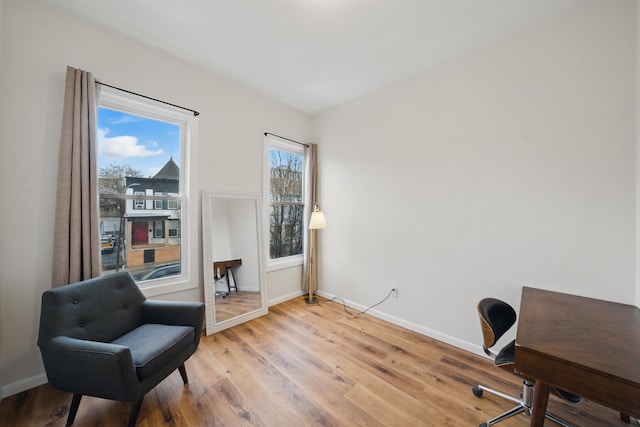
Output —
(208, 241)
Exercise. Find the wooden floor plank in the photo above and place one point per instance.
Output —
(311, 366)
(322, 381)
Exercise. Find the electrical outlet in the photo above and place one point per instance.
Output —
(394, 291)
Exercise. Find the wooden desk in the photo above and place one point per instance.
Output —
(582, 345)
(227, 266)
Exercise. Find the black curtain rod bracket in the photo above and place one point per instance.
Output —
(195, 113)
(282, 137)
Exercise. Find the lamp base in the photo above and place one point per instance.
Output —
(311, 301)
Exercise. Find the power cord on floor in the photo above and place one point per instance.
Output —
(344, 305)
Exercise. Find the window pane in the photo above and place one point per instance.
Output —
(138, 204)
(286, 203)
(157, 204)
(174, 227)
(286, 176)
(286, 230)
(138, 168)
(158, 228)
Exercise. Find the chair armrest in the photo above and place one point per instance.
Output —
(90, 368)
(174, 313)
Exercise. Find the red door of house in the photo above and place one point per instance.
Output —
(140, 233)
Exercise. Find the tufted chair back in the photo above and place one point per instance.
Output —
(99, 309)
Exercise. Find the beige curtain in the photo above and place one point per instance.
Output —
(310, 191)
(76, 252)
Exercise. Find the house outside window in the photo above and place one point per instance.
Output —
(150, 247)
(142, 188)
(285, 195)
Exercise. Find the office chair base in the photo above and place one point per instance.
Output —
(524, 404)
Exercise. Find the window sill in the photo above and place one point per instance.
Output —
(154, 288)
(284, 263)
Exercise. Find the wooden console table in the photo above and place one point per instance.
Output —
(585, 346)
(228, 266)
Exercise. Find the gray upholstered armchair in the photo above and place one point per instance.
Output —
(101, 337)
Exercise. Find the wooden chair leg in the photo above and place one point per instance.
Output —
(73, 409)
(183, 374)
(135, 410)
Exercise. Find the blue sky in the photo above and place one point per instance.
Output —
(144, 144)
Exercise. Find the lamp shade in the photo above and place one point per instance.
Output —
(317, 220)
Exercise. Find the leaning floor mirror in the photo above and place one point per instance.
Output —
(234, 278)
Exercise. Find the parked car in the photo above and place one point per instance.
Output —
(171, 269)
(106, 244)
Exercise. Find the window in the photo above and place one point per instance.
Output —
(141, 185)
(158, 229)
(174, 227)
(138, 204)
(285, 166)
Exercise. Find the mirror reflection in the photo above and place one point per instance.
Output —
(232, 259)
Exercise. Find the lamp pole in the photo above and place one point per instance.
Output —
(316, 222)
(311, 300)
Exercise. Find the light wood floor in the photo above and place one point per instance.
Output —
(235, 304)
(311, 366)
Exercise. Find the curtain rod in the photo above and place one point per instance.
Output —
(195, 113)
(282, 137)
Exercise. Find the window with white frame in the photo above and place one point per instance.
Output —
(172, 204)
(157, 204)
(285, 195)
(174, 228)
(158, 229)
(141, 185)
(138, 203)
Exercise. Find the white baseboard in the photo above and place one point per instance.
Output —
(22, 385)
(465, 345)
(284, 298)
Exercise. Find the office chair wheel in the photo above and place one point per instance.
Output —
(483, 425)
(477, 392)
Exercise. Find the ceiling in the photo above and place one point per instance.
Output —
(316, 54)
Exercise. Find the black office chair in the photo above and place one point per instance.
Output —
(496, 318)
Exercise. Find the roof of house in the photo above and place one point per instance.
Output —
(169, 171)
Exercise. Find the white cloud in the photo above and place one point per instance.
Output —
(123, 146)
(126, 119)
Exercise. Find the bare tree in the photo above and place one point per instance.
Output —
(286, 203)
(112, 179)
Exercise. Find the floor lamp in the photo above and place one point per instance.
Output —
(316, 222)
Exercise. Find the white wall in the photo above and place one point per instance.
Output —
(511, 166)
(38, 43)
